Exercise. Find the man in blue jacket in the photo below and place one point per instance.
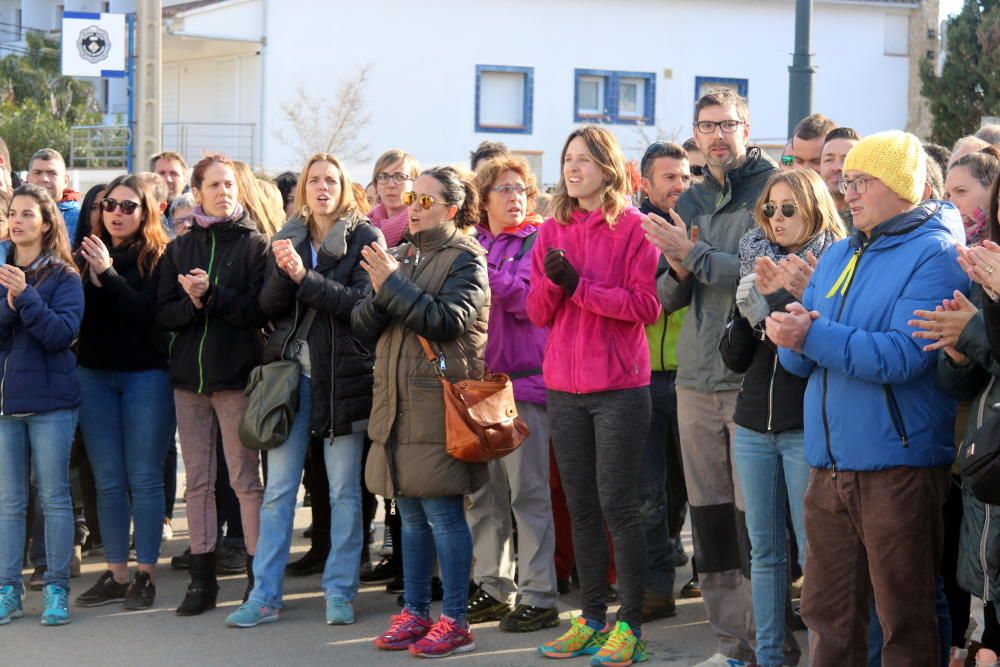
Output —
(878, 433)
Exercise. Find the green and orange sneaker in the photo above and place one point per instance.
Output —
(621, 648)
(580, 639)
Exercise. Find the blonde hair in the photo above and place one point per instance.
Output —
(604, 148)
(345, 205)
(271, 200)
(488, 173)
(252, 198)
(813, 199)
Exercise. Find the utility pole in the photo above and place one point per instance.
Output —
(800, 74)
(149, 53)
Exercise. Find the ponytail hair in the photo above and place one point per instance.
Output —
(457, 190)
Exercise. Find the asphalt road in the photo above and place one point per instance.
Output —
(109, 636)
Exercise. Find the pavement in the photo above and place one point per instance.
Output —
(109, 636)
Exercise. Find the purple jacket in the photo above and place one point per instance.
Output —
(514, 346)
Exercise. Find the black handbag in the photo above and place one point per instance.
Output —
(979, 459)
(273, 398)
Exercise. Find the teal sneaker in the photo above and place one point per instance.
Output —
(251, 614)
(339, 612)
(621, 649)
(56, 610)
(10, 604)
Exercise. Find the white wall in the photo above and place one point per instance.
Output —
(422, 90)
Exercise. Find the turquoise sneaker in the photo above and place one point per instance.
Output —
(56, 610)
(10, 604)
(251, 614)
(339, 612)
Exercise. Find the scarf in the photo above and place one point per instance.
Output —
(334, 243)
(975, 227)
(755, 244)
(393, 228)
(205, 220)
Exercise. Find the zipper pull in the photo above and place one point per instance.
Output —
(416, 260)
(834, 469)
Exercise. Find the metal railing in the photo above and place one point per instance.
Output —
(98, 146)
(193, 140)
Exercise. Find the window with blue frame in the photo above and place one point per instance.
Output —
(618, 98)
(504, 98)
(702, 84)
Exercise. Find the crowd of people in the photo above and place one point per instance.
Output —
(786, 355)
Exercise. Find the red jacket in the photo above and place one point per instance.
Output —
(596, 339)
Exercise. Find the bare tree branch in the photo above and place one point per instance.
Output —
(319, 125)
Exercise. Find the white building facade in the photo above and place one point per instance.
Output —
(445, 75)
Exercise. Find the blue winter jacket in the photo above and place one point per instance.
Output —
(71, 215)
(37, 367)
(872, 401)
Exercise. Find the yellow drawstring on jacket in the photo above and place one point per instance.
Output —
(845, 277)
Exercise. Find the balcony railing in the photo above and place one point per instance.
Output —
(193, 140)
(98, 146)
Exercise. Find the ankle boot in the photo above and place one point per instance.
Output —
(246, 594)
(204, 588)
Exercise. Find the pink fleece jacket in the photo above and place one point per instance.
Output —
(596, 339)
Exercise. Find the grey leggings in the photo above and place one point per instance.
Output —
(598, 440)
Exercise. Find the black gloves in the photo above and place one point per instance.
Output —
(560, 271)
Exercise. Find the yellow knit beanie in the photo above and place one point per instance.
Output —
(896, 158)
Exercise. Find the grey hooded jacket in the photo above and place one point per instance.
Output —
(723, 212)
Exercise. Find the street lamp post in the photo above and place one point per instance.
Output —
(800, 74)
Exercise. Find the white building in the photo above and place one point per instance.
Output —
(446, 75)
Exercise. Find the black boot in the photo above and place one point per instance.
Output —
(204, 588)
(246, 594)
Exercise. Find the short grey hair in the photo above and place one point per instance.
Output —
(180, 201)
(990, 134)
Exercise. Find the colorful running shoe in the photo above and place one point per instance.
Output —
(580, 639)
(406, 628)
(56, 611)
(447, 637)
(621, 649)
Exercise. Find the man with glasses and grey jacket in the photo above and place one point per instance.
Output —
(700, 242)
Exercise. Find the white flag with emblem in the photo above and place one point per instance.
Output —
(94, 44)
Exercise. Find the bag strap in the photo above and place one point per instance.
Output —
(307, 323)
(437, 361)
(526, 245)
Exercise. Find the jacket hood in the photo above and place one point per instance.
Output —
(757, 161)
(927, 217)
(335, 241)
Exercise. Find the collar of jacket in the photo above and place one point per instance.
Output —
(650, 207)
(891, 232)
(755, 162)
(433, 239)
(531, 223)
(335, 241)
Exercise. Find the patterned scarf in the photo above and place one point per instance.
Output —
(755, 244)
(205, 220)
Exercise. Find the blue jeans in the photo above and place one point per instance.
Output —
(876, 638)
(660, 554)
(277, 513)
(126, 421)
(48, 436)
(772, 470)
(436, 525)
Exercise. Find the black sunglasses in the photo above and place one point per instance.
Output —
(697, 170)
(128, 206)
(787, 210)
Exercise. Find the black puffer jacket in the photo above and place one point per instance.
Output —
(216, 347)
(770, 398)
(332, 287)
(119, 331)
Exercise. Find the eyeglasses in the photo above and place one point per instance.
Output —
(859, 185)
(697, 170)
(787, 160)
(425, 201)
(128, 206)
(400, 178)
(709, 126)
(505, 190)
(787, 210)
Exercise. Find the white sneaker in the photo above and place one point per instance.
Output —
(719, 660)
(168, 529)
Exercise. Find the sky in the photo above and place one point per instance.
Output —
(949, 7)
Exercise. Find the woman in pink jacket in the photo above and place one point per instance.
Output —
(593, 284)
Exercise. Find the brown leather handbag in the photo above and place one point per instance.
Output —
(480, 416)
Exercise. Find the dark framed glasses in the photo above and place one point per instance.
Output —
(787, 210)
(128, 206)
(697, 170)
(710, 126)
(425, 201)
(399, 178)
